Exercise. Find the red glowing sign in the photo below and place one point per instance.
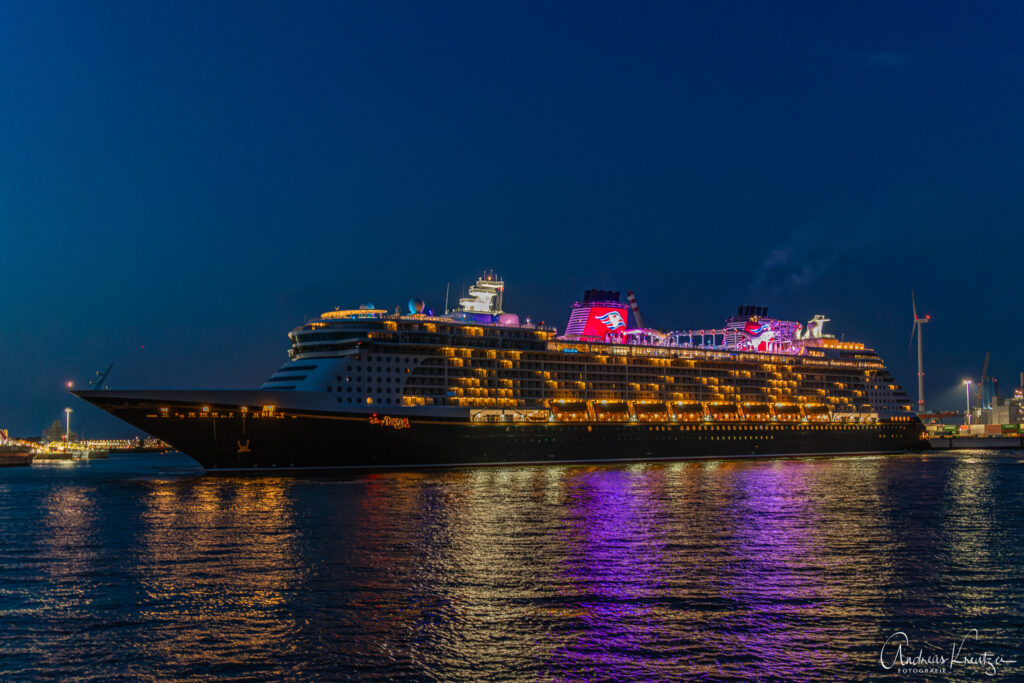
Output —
(605, 319)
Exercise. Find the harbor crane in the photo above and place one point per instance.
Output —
(981, 384)
(101, 377)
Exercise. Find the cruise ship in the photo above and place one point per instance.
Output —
(370, 388)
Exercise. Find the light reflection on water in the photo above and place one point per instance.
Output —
(217, 556)
(740, 570)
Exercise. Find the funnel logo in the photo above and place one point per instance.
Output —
(760, 334)
(612, 320)
(756, 329)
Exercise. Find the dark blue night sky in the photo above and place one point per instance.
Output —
(182, 183)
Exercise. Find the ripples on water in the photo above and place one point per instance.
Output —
(137, 567)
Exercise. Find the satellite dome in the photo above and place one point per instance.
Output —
(416, 305)
(366, 307)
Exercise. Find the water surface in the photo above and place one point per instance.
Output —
(139, 567)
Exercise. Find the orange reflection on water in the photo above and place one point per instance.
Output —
(217, 559)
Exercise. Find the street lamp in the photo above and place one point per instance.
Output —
(967, 383)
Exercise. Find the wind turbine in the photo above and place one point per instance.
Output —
(916, 329)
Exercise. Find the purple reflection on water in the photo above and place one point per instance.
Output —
(775, 580)
(633, 568)
(613, 568)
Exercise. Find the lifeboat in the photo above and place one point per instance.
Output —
(787, 412)
(687, 411)
(651, 411)
(611, 411)
(816, 412)
(757, 412)
(570, 411)
(727, 412)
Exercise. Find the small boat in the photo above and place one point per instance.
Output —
(15, 456)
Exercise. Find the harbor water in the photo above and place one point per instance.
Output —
(142, 568)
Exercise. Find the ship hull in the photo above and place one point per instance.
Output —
(213, 429)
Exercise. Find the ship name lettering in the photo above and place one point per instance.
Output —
(389, 421)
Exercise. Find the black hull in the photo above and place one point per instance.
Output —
(222, 438)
